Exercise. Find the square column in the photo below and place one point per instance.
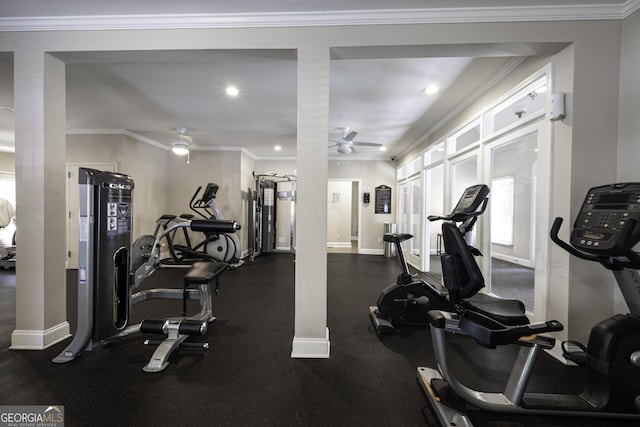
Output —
(40, 200)
(311, 339)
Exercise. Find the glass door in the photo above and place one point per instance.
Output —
(403, 208)
(464, 173)
(434, 205)
(512, 211)
(414, 219)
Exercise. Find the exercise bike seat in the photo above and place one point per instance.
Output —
(509, 312)
(463, 279)
(396, 238)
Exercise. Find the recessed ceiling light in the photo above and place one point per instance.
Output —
(232, 91)
(277, 148)
(383, 148)
(431, 89)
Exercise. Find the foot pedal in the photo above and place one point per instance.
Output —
(577, 354)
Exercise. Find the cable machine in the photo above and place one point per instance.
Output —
(271, 190)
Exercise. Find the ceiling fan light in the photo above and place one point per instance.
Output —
(344, 149)
(181, 148)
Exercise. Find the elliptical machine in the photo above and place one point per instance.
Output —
(221, 246)
(605, 231)
(409, 299)
(184, 249)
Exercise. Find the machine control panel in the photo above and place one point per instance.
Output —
(604, 213)
(471, 199)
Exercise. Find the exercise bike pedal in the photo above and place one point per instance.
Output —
(382, 325)
(577, 355)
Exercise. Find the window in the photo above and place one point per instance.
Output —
(435, 154)
(8, 187)
(502, 190)
(527, 102)
(467, 136)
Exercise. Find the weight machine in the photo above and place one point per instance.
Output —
(110, 267)
(269, 188)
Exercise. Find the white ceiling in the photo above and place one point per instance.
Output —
(149, 94)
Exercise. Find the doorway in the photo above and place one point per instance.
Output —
(343, 216)
(513, 168)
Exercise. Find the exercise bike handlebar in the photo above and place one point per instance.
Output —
(609, 259)
(557, 223)
(461, 216)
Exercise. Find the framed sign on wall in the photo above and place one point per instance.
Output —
(383, 199)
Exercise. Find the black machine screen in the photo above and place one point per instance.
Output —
(471, 199)
(604, 213)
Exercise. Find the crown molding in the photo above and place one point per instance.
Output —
(125, 132)
(157, 144)
(325, 18)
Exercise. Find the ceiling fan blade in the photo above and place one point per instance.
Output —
(367, 144)
(350, 135)
(334, 145)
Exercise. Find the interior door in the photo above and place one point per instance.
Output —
(512, 211)
(414, 222)
(434, 205)
(464, 173)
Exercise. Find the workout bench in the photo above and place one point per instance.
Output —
(200, 274)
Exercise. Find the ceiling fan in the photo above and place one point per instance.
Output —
(180, 146)
(346, 145)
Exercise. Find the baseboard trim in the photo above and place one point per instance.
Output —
(371, 251)
(39, 340)
(338, 244)
(513, 260)
(311, 348)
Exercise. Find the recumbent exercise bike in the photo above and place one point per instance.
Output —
(605, 231)
(409, 299)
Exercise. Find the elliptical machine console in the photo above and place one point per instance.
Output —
(407, 301)
(605, 231)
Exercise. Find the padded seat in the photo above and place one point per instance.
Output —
(396, 238)
(463, 279)
(509, 312)
(203, 272)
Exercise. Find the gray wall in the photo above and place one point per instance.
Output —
(7, 162)
(146, 164)
(629, 113)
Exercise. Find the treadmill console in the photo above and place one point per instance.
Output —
(604, 213)
(471, 200)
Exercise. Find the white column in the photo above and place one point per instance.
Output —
(311, 337)
(39, 92)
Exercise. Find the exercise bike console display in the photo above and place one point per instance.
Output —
(472, 203)
(471, 200)
(603, 216)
